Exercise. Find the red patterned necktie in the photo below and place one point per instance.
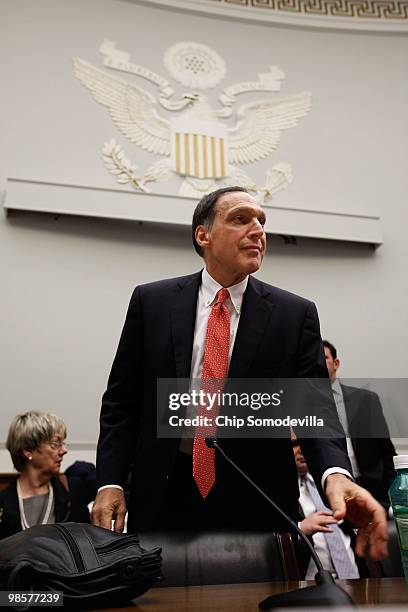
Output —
(215, 367)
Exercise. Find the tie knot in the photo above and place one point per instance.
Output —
(222, 295)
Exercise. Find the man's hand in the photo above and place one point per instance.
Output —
(317, 521)
(109, 506)
(349, 500)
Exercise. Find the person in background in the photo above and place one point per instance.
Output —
(360, 412)
(40, 495)
(332, 542)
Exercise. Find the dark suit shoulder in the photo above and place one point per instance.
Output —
(280, 295)
(358, 392)
(167, 284)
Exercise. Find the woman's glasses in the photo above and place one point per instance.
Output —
(56, 444)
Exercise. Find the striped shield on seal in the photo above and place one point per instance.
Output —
(199, 148)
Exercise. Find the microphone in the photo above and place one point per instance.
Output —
(326, 592)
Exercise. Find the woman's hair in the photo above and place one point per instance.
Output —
(28, 431)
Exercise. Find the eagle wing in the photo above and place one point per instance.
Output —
(132, 109)
(259, 126)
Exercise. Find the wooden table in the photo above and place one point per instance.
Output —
(245, 597)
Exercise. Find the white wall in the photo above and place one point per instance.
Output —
(66, 282)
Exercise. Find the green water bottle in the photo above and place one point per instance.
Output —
(399, 500)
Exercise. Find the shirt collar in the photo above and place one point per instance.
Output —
(210, 288)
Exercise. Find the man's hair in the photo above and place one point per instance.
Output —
(205, 212)
(28, 431)
(331, 348)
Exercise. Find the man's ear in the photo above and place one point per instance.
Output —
(336, 363)
(202, 236)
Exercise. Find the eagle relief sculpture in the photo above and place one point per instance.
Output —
(197, 142)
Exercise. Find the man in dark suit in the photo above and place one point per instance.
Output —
(361, 414)
(271, 333)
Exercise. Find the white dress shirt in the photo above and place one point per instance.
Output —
(319, 540)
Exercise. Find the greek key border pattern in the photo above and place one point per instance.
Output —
(361, 9)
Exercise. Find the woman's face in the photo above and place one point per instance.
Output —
(47, 458)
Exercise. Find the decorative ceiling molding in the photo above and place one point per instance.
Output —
(366, 15)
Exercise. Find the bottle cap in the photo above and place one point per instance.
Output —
(400, 462)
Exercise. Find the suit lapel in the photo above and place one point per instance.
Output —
(182, 323)
(257, 307)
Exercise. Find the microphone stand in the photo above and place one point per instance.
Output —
(325, 593)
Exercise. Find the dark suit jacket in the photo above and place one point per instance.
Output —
(371, 441)
(69, 505)
(278, 336)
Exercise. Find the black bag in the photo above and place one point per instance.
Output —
(89, 564)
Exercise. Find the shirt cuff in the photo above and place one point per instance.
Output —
(335, 470)
(112, 486)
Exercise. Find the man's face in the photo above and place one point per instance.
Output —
(332, 364)
(235, 245)
(301, 464)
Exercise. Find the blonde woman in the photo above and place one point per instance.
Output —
(40, 495)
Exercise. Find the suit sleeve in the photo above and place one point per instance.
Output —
(323, 452)
(121, 412)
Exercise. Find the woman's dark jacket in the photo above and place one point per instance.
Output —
(69, 505)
